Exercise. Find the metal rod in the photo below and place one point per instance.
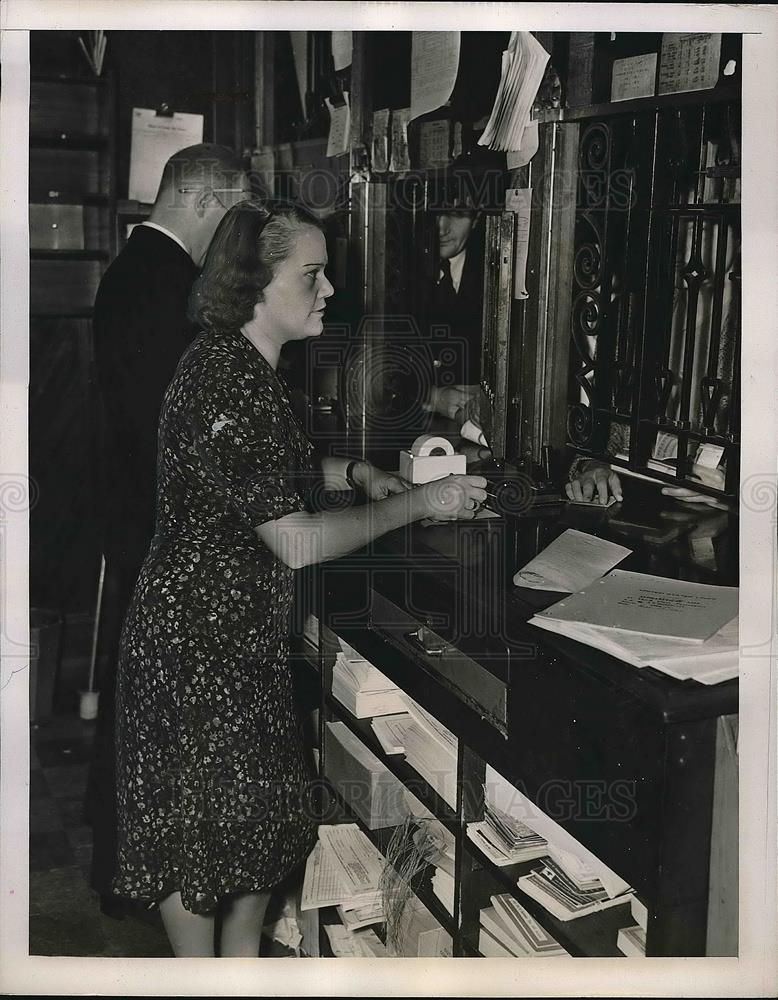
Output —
(96, 627)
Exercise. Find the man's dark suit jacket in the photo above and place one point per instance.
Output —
(140, 332)
(460, 350)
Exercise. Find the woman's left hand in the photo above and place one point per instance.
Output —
(376, 483)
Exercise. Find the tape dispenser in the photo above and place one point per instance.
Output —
(431, 457)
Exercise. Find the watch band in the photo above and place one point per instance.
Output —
(349, 475)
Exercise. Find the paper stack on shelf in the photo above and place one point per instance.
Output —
(344, 870)
(363, 689)
(632, 941)
(504, 839)
(390, 731)
(355, 944)
(443, 887)
(568, 891)
(523, 66)
(509, 931)
(431, 749)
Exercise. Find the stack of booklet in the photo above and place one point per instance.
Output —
(363, 689)
(431, 749)
(686, 630)
(443, 887)
(355, 944)
(570, 889)
(344, 870)
(508, 931)
(504, 839)
(632, 941)
(390, 731)
(523, 66)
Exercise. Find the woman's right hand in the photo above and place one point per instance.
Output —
(452, 498)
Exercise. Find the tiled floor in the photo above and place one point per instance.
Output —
(65, 917)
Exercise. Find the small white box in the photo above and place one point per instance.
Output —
(426, 468)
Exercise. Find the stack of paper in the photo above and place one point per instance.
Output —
(431, 749)
(571, 562)
(568, 891)
(355, 944)
(508, 931)
(344, 870)
(504, 839)
(632, 941)
(523, 66)
(390, 731)
(686, 630)
(363, 690)
(443, 887)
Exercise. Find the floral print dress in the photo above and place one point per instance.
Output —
(213, 790)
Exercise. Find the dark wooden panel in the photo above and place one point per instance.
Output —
(63, 287)
(54, 108)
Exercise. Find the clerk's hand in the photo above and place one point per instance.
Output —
(594, 485)
(376, 483)
(457, 402)
(453, 498)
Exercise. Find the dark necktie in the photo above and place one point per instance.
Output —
(445, 282)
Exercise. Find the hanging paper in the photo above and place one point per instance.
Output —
(523, 66)
(689, 61)
(341, 49)
(530, 141)
(434, 67)
(633, 77)
(155, 138)
(400, 160)
(433, 144)
(340, 126)
(380, 151)
(300, 56)
(519, 201)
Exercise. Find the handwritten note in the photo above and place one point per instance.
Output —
(400, 160)
(340, 127)
(633, 77)
(434, 67)
(571, 562)
(689, 61)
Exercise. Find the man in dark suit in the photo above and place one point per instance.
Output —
(140, 331)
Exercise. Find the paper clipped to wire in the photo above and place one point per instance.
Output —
(434, 67)
(649, 605)
(523, 65)
(340, 126)
(571, 562)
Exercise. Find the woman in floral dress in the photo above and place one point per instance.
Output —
(212, 784)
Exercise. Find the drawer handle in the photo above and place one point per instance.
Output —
(429, 643)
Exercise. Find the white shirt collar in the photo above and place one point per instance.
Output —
(167, 232)
(457, 264)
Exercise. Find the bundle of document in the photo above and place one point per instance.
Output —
(355, 944)
(508, 931)
(686, 630)
(344, 870)
(632, 941)
(568, 889)
(363, 689)
(431, 749)
(504, 839)
(443, 887)
(390, 731)
(523, 66)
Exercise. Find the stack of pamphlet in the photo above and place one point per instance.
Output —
(523, 66)
(632, 941)
(686, 630)
(443, 887)
(390, 731)
(363, 689)
(355, 944)
(431, 749)
(344, 870)
(508, 931)
(568, 890)
(504, 839)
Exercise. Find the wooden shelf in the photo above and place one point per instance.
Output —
(716, 95)
(395, 763)
(78, 81)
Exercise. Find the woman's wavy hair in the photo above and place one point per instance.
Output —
(252, 239)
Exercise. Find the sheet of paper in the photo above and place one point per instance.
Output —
(359, 861)
(299, 41)
(651, 605)
(633, 77)
(154, 140)
(343, 942)
(400, 160)
(434, 67)
(523, 66)
(571, 562)
(341, 49)
(530, 142)
(504, 796)
(433, 144)
(380, 155)
(523, 204)
(689, 61)
(323, 883)
(340, 126)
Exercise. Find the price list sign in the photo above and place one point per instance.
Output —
(689, 62)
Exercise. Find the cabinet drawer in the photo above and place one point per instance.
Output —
(470, 681)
